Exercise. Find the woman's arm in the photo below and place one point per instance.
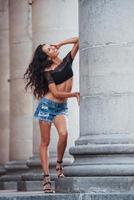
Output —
(60, 94)
(75, 48)
(69, 41)
(73, 40)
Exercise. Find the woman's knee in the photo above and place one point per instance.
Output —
(63, 135)
(44, 144)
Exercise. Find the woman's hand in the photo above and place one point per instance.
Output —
(76, 94)
(72, 40)
(78, 97)
(57, 45)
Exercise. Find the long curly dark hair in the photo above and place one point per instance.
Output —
(34, 75)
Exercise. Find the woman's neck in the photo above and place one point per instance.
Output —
(56, 61)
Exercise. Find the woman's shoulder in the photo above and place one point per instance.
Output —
(68, 58)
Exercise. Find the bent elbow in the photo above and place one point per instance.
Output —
(56, 94)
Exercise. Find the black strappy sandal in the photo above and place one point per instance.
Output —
(47, 184)
(59, 169)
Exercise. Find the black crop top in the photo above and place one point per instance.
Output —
(62, 72)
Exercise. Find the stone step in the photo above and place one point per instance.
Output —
(32, 185)
(24, 182)
(7, 185)
(13, 195)
(33, 182)
(9, 182)
(2, 170)
(98, 184)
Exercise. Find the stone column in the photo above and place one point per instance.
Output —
(21, 103)
(105, 146)
(104, 151)
(54, 21)
(4, 84)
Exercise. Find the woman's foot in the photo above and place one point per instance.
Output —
(47, 184)
(59, 169)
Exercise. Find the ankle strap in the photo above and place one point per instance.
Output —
(45, 175)
(59, 161)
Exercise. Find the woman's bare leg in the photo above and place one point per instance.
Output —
(43, 148)
(60, 122)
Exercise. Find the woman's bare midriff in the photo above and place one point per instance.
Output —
(66, 86)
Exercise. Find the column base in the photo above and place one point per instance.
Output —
(14, 170)
(99, 170)
(102, 160)
(2, 170)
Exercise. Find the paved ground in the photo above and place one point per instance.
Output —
(40, 195)
(35, 195)
(16, 193)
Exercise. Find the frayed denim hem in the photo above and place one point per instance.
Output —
(42, 119)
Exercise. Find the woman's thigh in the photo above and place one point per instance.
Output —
(45, 129)
(61, 123)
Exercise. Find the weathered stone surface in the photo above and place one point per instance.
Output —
(105, 146)
(16, 166)
(4, 83)
(14, 170)
(2, 170)
(32, 185)
(21, 103)
(8, 185)
(74, 196)
(104, 184)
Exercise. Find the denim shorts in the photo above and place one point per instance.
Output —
(47, 109)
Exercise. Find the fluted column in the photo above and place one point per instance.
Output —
(21, 103)
(54, 21)
(106, 142)
(4, 84)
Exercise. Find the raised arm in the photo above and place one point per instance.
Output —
(69, 41)
(75, 48)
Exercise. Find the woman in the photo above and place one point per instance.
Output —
(51, 79)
